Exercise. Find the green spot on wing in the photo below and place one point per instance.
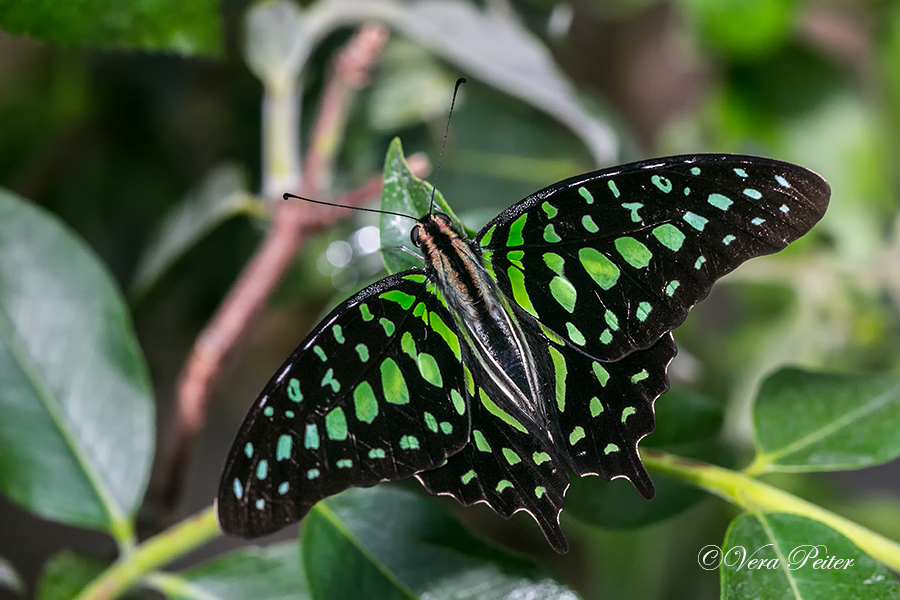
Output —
(634, 252)
(627, 412)
(499, 412)
(515, 232)
(549, 209)
(596, 406)
(669, 236)
(588, 223)
(344, 463)
(486, 238)
(540, 458)
(430, 370)
(600, 373)
(559, 373)
(336, 424)
(409, 442)
(262, 469)
(643, 311)
(366, 313)
(329, 379)
(586, 194)
(662, 183)
(550, 235)
(610, 448)
(640, 376)
(634, 207)
(402, 298)
(564, 292)
(719, 201)
(458, 403)
(376, 453)
(575, 334)
(393, 382)
(576, 436)
(363, 352)
(611, 319)
(439, 327)
(431, 422)
(388, 326)
(599, 267)
(467, 476)
(511, 457)
(320, 353)
(503, 484)
(480, 442)
(540, 491)
(293, 390)
(365, 403)
(338, 334)
(613, 187)
(283, 449)
(520, 294)
(554, 262)
(695, 220)
(673, 285)
(311, 439)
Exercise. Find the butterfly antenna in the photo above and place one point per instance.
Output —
(373, 210)
(437, 172)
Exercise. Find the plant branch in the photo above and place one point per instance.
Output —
(292, 225)
(152, 554)
(754, 495)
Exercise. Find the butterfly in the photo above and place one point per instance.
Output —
(508, 360)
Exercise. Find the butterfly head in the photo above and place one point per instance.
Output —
(428, 228)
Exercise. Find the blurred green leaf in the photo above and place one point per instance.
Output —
(682, 417)
(66, 574)
(10, 578)
(412, 87)
(219, 197)
(271, 573)
(402, 192)
(164, 25)
(788, 547)
(488, 44)
(386, 543)
(76, 408)
(740, 28)
(807, 421)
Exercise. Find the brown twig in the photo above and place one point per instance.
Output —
(292, 225)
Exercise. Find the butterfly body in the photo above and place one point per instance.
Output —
(508, 360)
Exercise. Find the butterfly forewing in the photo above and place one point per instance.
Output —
(375, 393)
(613, 259)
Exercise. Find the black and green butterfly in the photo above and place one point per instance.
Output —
(506, 361)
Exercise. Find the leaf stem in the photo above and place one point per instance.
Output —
(153, 553)
(754, 495)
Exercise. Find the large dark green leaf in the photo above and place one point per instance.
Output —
(386, 543)
(76, 408)
(271, 573)
(787, 548)
(824, 422)
(402, 192)
(168, 25)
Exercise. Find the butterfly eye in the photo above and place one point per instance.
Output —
(415, 236)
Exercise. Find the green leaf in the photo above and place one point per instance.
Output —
(271, 573)
(76, 408)
(402, 192)
(66, 574)
(796, 558)
(219, 197)
(742, 29)
(386, 543)
(807, 421)
(488, 44)
(167, 25)
(686, 424)
(10, 578)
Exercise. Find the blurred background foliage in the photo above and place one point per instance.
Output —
(120, 125)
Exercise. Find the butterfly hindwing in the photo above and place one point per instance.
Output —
(375, 393)
(613, 259)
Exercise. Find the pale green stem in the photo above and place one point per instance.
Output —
(754, 495)
(152, 554)
(280, 136)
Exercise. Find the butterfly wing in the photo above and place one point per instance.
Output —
(511, 465)
(375, 393)
(612, 260)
